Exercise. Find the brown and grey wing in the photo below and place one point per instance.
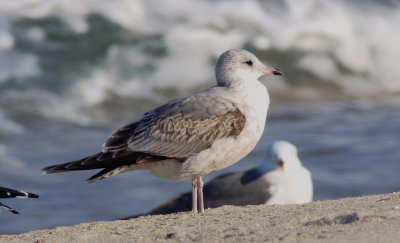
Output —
(180, 128)
(181, 136)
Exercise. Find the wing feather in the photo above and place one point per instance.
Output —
(180, 128)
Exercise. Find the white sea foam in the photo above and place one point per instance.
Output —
(351, 45)
(17, 65)
(9, 161)
(8, 127)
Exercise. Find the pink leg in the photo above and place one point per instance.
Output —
(194, 194)
(200, 191)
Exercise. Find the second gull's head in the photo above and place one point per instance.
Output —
(284, 154)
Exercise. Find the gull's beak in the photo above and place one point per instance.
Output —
(276, 72)
(273, 71)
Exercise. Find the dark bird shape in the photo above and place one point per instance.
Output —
(11, 193)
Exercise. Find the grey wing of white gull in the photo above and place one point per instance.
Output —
(239, 189)
(11, 193)
(178, 130)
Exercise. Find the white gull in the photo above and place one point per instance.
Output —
(11, 193)
(288, 183)
(192, 136)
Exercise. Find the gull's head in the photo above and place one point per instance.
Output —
(240, 64)
(284, 154)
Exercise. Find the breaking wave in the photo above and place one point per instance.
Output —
(77, 61)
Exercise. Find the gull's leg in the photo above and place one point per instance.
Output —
(194, 194)
(200, 191)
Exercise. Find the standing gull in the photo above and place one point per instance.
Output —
(288, 183)
(11, 193)
(192, 136)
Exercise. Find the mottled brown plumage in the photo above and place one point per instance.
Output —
(164, 133)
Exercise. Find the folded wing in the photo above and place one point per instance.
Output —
(176, 130)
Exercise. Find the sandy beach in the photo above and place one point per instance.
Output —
(362, 219)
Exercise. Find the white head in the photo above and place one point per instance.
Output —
(292, 182)
(236, 63)
(284, 154)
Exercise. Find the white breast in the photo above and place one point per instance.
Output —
(252, 100)
(289, 187)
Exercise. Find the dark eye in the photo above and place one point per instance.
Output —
(280, 163)
(250, 63)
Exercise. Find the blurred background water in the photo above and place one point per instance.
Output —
(73, 71)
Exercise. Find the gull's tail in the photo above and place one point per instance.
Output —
(96, 161)
(111, 163)
(87, 163)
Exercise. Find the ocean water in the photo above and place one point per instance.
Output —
(73, 71)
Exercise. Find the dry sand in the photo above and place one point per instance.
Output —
(362, 219)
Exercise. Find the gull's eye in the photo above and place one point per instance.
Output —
(280, 163)
(250, 63)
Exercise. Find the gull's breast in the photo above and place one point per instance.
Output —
(253, 103)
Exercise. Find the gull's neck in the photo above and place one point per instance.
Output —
(247, 84)
(236, 79)
(295, 163)
(251, 97)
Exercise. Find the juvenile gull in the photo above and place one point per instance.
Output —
(288, 183)
(11, 193)
(192, 136)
